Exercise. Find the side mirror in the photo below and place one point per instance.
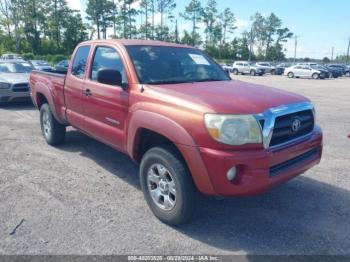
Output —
(109, 77)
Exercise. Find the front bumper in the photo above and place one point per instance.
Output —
(260, 170)
(10, 95)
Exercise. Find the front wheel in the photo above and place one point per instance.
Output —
(315, 76)
(273, 72)
(291, 75)
(53, 132)
(235, 72)
(252, 73)
(167, 186)
(347, 74)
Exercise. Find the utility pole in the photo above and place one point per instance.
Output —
(347, 56)
(251, 44)
(332, 53)
(295, 49)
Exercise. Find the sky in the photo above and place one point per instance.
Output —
(319, 24)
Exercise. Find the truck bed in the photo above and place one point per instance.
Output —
(51, 86)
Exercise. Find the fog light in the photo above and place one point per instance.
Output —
(232, 173)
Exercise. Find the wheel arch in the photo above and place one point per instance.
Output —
(148, 129)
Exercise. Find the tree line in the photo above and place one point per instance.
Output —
(51, 27)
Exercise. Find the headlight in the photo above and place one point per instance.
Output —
(5, 86)
(234, 130)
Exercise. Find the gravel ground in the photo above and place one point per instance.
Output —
(84, 197)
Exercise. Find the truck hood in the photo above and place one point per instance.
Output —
(14, 78)
(226, 97)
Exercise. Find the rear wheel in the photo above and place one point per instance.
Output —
(53, 132)
(291, 75)
(167, 185)
(252, 72)
(273, 72)
(347, 74)
(316, 76)
(235, 71)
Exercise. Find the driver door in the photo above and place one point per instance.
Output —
(106, 106)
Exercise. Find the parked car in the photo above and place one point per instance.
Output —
(41, 65)
(14, 77)
(345, 69)
(305, 71)
(175, 111)
(11, 57)
(228, 69)
(62, 65)
(243, 67)
(334, 71)
(280, 68)
(268, 68)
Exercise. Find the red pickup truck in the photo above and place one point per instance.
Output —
(176, 112)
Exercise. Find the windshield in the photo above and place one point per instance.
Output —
(167, 65)
(15, 68)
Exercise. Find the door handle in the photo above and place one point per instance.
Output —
(87, 92)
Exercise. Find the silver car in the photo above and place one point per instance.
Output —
(14, 76)
(242, 67)
(305, 71)
(269, 68)
(41, 65)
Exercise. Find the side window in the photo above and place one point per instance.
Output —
(79, 63)
(107, 58)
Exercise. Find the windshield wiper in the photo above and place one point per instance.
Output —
(211, 80)
(165, 82)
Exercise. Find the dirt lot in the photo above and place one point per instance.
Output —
(85, 198)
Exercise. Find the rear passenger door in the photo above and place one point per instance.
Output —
(74, 85)
(246, 68)
(106, 106)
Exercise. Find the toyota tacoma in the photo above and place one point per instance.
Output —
(177, 114)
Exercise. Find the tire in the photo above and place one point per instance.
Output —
(253, 73)
(165, 162)
(347, 74)
(273, 72)
(316, 76)
(331, 75)
(53, 132)
(291, 75)
(235, 72)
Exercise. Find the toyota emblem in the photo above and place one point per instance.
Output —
(296, 125)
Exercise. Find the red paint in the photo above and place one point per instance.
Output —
(176, 112)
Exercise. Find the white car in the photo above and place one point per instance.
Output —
(11, 57)
(228, 69)
(304, 71)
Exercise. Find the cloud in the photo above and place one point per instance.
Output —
(136, 5)
(241, 24)
(76, 5)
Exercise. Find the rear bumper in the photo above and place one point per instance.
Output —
(260, 170)
(7, 95)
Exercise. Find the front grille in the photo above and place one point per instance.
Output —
(20, 88)
(283, 131)
(278, 169)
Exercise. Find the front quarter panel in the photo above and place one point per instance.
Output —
(173, 131)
